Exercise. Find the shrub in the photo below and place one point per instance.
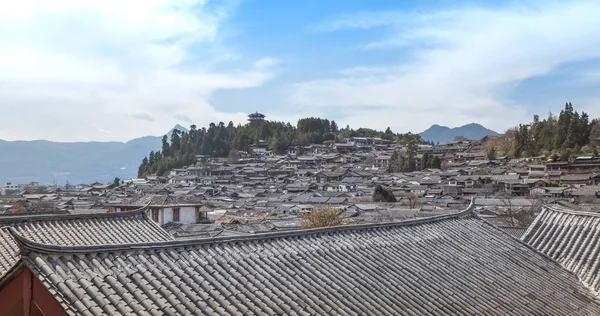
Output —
(321, 216)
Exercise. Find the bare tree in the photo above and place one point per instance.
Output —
(509, 209)
(42, 206)
(412, 199)
(321, 216)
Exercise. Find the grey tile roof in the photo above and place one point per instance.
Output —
(570, 237)
(77, 230)
(449, 265)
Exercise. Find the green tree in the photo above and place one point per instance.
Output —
(117, 181)
(165, 146)
(411, 153)
(491, 152)
(383, 195)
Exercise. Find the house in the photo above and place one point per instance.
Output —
(292, 151)
(447, 265)
(75, 230)
(10, 189)
(575, 180)
(338, 187)
(382, 161)
(538, 168)
(177, 172)
(164, 209)
(344, 148)
(259, 148)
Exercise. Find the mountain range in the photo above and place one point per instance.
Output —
(444, 134)
(81, 162)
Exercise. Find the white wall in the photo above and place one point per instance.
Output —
(187, 215)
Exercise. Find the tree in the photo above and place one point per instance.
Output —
(394, 164)
(565, 154)
(233, 157)
(491, 152)
(412, 199)
(117, 181)
(411, 153)
(595, 134)
(437, 162)
(165, 146)
(595, 151)
(577, 149)
(321, 216)
(383, 195)
(43, 206)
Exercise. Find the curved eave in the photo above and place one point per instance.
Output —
(27, 244)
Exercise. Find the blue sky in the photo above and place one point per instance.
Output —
(114, 70)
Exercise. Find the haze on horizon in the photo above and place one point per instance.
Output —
(108, 70)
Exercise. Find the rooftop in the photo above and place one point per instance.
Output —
(447, 265)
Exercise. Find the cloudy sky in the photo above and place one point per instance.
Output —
(73, 70)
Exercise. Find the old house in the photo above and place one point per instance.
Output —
(168, 208)
(569, 237)
(481, 268)
(382, 161)
(66, 230)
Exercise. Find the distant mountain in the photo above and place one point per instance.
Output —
(444, 134)
(46, 162)
(178, 127)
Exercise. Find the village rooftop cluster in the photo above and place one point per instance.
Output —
(226, 237)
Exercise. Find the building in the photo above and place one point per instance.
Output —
(164, 209)
(447, 265)
(70, 230)
(10, 189)
(571, 238)
(256, 117)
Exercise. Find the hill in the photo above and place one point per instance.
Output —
(83, 162)
(444, 134)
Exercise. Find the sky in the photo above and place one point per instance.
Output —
(103, 70)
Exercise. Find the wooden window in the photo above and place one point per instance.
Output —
(155, 214)
(176, 214)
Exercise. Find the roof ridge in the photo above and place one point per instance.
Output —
(532, 248)
(69, 216)
(568, 211)
(29, 245)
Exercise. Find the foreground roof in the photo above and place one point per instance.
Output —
(572, 238)
(449, 265)
(77, 230)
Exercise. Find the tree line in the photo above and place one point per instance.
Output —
(555, 137)
(220, 140)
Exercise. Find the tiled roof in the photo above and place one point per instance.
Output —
(77, 230)
(449, 265)
(570, 237)
(165, 200)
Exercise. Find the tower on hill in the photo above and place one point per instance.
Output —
(256, 117)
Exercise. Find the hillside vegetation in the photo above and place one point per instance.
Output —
(220, 140)
(555, 137)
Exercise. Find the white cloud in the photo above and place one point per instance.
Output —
(463, 66)
(68, 66)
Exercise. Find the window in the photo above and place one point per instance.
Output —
(176, 214)
(155, 214)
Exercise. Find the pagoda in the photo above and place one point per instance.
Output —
(256, 117)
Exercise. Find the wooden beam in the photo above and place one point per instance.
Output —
(27, 292)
